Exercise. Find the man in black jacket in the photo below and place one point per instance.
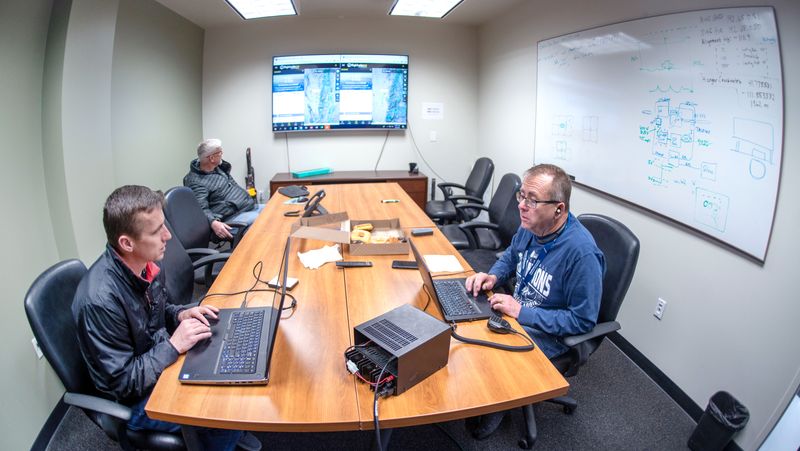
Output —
(220, 197)
(128, 330)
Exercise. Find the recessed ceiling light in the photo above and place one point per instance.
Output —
(423, 8)
(254, 9)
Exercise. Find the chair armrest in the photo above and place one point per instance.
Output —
(470, 199)
(208, 261)
(446, 188)
(469, 230)
(100, 405)
(599, 330)
(201, 251)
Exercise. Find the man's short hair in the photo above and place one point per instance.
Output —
(121, 209)
(560, 187)
(208, 147)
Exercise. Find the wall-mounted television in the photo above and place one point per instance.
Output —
(336, 92)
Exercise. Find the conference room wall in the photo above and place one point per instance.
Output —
(237, 100)
(123, 105)
(60, 168)
(28, 387)
(730, 324)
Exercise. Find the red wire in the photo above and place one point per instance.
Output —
(385, 379)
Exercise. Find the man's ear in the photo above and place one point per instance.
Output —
(125, 243)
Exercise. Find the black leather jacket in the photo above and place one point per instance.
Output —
(217, 192)
(124, 324)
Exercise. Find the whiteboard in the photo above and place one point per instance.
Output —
(681, 114)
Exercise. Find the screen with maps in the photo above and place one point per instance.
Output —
(328, 92)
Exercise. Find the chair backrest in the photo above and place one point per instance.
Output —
(189, 223)
(621, 249)
(503, 209)
(479, 177)
(178, 270)
(48, 305)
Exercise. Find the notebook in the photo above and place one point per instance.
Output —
(451, 295)
(240, 348)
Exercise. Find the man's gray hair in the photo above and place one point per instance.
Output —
(560, 187)
(208, 147)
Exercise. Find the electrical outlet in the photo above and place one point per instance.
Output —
(662, 304)
(36, 348)
(434, 136)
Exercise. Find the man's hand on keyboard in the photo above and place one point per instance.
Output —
(200, 313)
(480, 282)
(188, 333)
(506, 304)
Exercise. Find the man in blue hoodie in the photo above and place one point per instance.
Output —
(559, 270)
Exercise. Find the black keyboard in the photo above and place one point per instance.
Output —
(240, 350)
(453, 298)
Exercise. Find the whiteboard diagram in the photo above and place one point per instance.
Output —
(681, 114)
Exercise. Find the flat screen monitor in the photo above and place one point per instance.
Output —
(335, 92)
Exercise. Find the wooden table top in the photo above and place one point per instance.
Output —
(310, 389)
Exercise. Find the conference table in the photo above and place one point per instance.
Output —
(310, 389)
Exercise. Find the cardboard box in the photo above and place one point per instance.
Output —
(336, 227)
(380, 225)
(332, 227)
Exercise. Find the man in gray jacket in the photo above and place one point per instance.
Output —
(220, 197)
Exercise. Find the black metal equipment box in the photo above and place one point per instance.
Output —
(419, 342)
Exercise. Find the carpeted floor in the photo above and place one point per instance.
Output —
(619, 408)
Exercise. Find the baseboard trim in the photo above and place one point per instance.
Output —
(50, 426)
(662, 380)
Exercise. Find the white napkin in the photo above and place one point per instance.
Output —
(443, 263)
(315, 258)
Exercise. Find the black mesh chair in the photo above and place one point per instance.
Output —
(48, 307)
(190, 226)
(479, 242)
(621, 249)
(444, 211)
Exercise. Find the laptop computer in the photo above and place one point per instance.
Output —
(454, 301)
(240, 348)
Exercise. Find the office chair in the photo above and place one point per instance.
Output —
(621, 249)
(190, 223)
(444, 211)
(190, 226)
(479, 242)
(48, 307)
(180, 270)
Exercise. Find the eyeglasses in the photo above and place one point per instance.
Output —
(533, 203)
(215, 155)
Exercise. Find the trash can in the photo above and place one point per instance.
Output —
(723, 416)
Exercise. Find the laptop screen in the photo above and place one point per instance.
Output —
(278, 301)
(423, 268)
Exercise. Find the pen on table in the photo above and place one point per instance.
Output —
(390, 201)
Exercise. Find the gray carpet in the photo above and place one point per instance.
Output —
(619, 408)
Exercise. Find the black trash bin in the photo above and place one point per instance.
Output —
(723, 416)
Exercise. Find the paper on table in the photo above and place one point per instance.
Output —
(315, 258)
(443, 263)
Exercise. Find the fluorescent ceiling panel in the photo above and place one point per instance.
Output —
(423, 8)
(254, 9)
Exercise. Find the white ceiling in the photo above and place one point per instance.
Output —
(217, 13)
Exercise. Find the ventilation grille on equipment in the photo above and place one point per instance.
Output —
(390, 334)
